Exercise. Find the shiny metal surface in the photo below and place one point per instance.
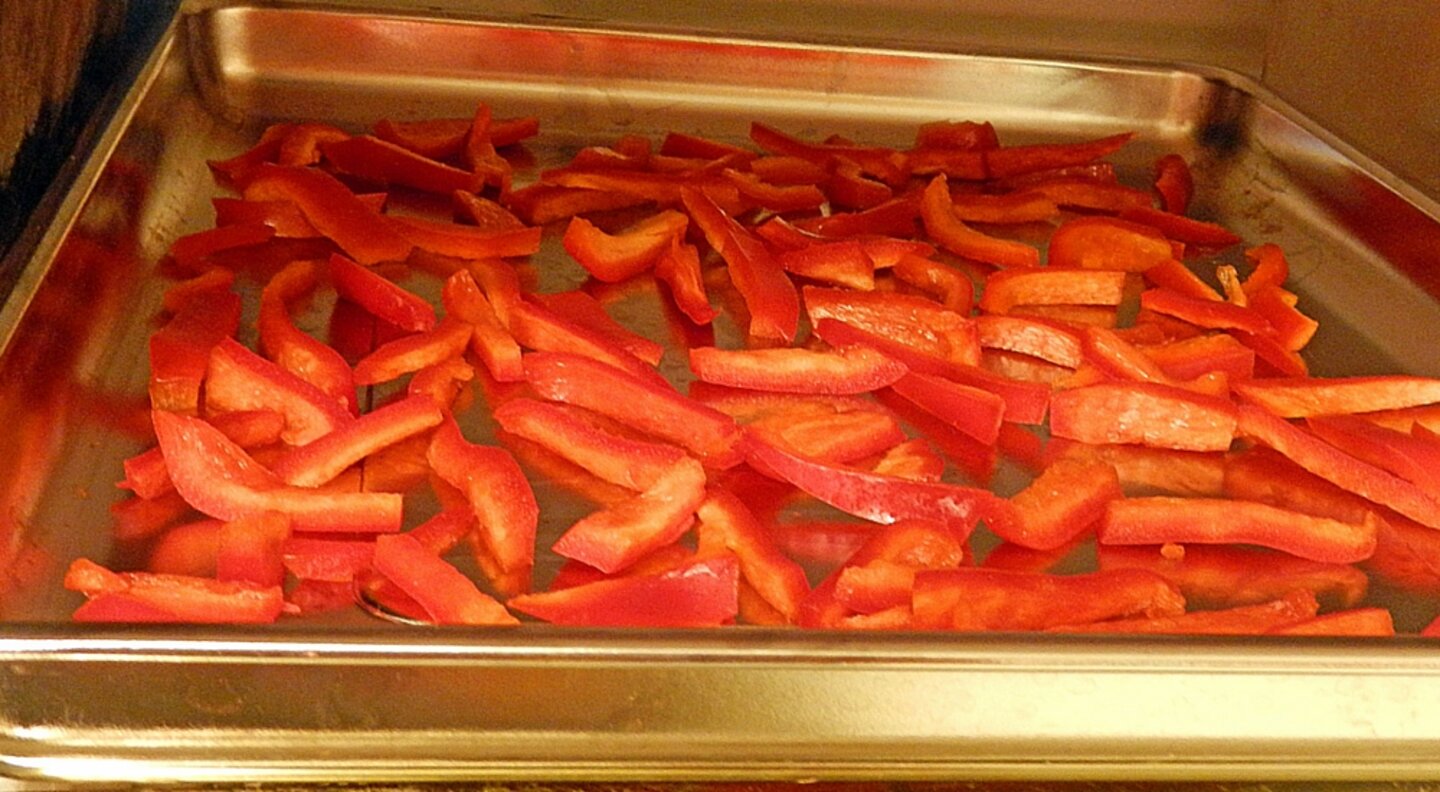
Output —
(355, 699)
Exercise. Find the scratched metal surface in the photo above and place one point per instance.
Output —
(352, 698)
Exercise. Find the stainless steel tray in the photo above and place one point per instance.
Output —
(357, 700)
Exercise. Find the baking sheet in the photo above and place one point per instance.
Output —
(349, 697)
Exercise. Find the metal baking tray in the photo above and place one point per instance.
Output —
(355, 699)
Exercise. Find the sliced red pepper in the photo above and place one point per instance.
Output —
(1338, 467)
(484, 213)
(439, 138)
(1107, 243)
(834, 435)
(990, 599)
(1162, 519)
(540, 204)
(180, 351)
(412, 353)
(951, 233)
(1086, 193)
(1049, 341)
(844, 263)
(896, 217)
(539, 328)
(587, 311)
(699, 594)
(442, 590)
(976, 412)
(774, 197)
(616, 257)
(616, 537)
(896, 322)
(1224, 576)
(1174, 184)
(1299, 397)
(142, 518)
(951, 287)
(1293, 329)
(957, 135)
(381, 161)
(570, 433)
(249, 549)
(1270, 267)
(910, 544)
(880, 162)
(218, 478)
(239, 169)
(679, 267)
(1180, 228)
(883, 499)
(1205, 313)
(301, 145)
(501, 497)
(1410, 456)
(1006, 289)
(770, 297)
(1192, 357)
(1024, 206)
(913, 459)
(1061, 504)
(186, 598)
(640, 404)
(189, 548)
(380, 296)
(1025, 402)
(292, 349)
(847, 370)
(1294, 607)
(1357, 622)
(329, 560)
(466, 242)
(320, 461)
(1119, 359)
(239, 379)
(726, 523)
(1006, 161)
(190, 250)
(332, 209)
(1150, 414)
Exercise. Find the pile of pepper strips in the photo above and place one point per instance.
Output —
(1228, 491)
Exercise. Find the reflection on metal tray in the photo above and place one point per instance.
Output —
(352, 698)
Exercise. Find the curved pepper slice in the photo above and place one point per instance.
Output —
(1295, 607)
(1107, 243)
(883, 499)
(332, 209)
(322, 460)
(616, 537)
(442, 590)
(1062, 503)
(380, 296)
(153, 596)
(951, 233)
(847, 370)
(769, 295)
(992, 599)
(295, 351)
(218, 478)
(566, 430)
(498, 492)
(1163, 519)
(240, 380)
(699, 594)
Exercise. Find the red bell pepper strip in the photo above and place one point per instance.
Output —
(883, 499)
(539, 328)
(880, 162)
(1050, 341)
(976, 412)
(463, 241)
(847, 187)
(218, 478)
(189, 251)
(951, 233)
(1119, 359)
(380, 296)
(329, 560)
(836, 436)
(1007, 161)
(911, 544)
(1176, 277)
(180, 351)
(186, 598)
(249, 549)
(1024, 206)
(122, 607)
(1163, 519)
(320, 461)
(847, 370)
(1205, 313)
(292, 349)
(501, 497)
(1159, 416)
(1271, 268)
(239, 169)
(896, 217)
(725, 523)
(957, 135)
(441, 382)
(440, 138)
(1297, 606)
(1293, 329)
(1410, 456)
(679, 267)
(699, 594)
(581, 308)
(568, 432)
(1338, 467)
(332, 209)
(447, 596)
(1082, 193)
(1181, 228)
(913, 459)
(1062, 503)
(897, 321)
(540, 203)
(1299, 397)
(484, 213)
(844, 263)
(142, 518)
(1189, 358)
(189, 548)
(616, 537)
(381, 161)
(1005, 289)
(414, 352)
(769, 295)
(1107, 243)
(489, 340)
(782, 169)
(951, 287)
(990, 599)
(239, 379)
(1173, 183)
(1357, 622)
(301, 145)
(203, 286)
(1224, 576)
(774, 197)
(640, 404)
(1025, 402)
(616, 257)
